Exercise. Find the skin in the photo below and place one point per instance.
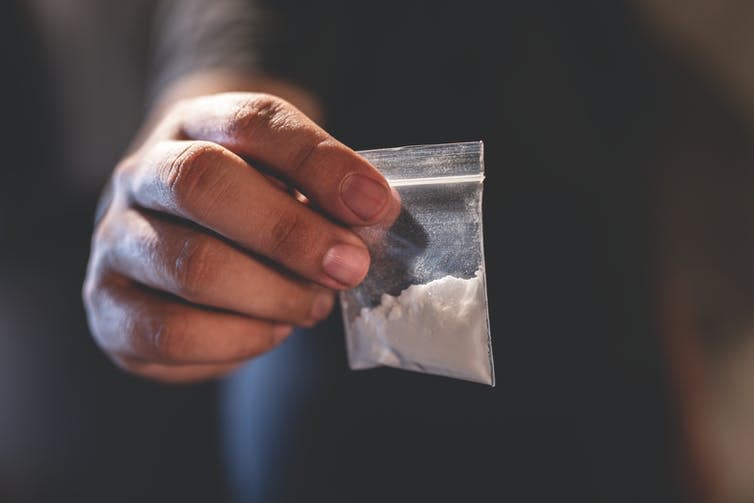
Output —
(231, 220)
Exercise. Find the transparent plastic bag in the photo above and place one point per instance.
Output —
(423, 305)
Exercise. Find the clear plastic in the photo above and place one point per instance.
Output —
(423, 305)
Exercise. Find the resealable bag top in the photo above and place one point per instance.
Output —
(423, 305)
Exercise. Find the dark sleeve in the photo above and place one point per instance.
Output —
(200, 35)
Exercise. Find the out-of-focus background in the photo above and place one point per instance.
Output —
(705, 241)
(76, 86)
(72, 426)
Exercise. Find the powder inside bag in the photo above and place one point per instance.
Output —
(438, 327)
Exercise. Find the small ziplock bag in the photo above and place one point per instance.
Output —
(423, 304)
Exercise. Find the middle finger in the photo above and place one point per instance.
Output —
(207, 184)
(171, 256)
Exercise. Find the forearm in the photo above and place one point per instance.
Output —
(205, 47)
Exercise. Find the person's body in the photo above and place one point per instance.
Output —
(579, 109)
(566, 99)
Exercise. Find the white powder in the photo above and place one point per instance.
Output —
(440, 327)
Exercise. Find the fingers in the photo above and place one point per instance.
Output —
(204, 259)
(269, 130)
(201, 268)
(130, 321)
(207, 184)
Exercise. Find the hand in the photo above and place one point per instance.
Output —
(227, 227)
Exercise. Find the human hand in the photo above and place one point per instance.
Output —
(206, 255)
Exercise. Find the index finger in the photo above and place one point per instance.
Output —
(269, 130)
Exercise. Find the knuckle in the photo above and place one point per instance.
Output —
(287, 234)
(101, 239)
(260, 112)
(97, 294)
(194, 267)
(167, 338)
(305, 152)
(124, 169)
(123, 174)
(190, 174)
(89, 292)
(112, 330)
(264, 114)
(110, 230)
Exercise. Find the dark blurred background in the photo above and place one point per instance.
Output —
(72, 426)
(660, 405)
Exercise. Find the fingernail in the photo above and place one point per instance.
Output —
(322, 306)
(346, 264)
(363, 195)
(280, 332)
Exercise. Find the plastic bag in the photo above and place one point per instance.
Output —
(423, 305)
